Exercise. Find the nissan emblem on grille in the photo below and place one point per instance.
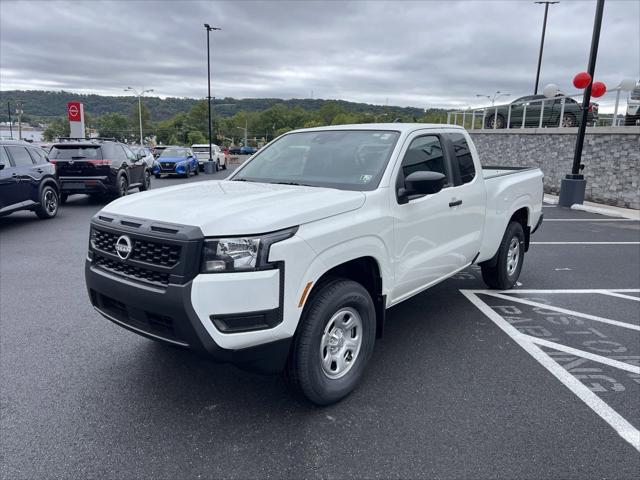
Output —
(123, 247)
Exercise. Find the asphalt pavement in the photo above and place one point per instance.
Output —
(538, 383)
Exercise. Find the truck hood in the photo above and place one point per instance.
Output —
(237, 208)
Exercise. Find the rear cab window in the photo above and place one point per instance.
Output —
(462, 159)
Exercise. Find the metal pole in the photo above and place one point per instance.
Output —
(562, 103)
(615, 111)
(10, 122)
(595, 40)
(209, 90)
(544, 29)
(245, 131)
(140, 118)
(19, 113)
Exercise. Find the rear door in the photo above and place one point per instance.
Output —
(9, 182)
(426, 244)
(136, 167)
(23, 165)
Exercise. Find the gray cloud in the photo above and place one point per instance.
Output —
(429, 53)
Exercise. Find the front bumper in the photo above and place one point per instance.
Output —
(170, 302)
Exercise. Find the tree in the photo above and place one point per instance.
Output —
(196, 137)
(115, 125)
(59, 127)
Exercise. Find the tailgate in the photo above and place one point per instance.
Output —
(79, 160)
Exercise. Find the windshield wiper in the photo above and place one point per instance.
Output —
(292, 183)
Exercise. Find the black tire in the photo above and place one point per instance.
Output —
(157, 175)
(217, 165)
(304, 370)
(569, 120)
(197, 170)
(500, 121)
(146, 181)
(122, 186)
(49, 202)
(504, 273)
(63, 198)
(224, 167)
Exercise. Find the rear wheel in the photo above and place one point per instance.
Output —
(48, 207)
(122, 186)
(497, 121)
(504, 272)
(196, 171)
(334, 342)
(157, 175)
(146, 181)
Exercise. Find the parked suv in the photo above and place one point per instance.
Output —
(633, 107)
(27, 180)
(97, 167)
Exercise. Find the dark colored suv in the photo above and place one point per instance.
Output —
(27, 180)
(97, 167)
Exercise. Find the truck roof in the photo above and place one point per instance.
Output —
(398, 127)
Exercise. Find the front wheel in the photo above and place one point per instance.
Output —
(48, 207)
(157, 175)
(495, 121)
(334, 342)
(122, 186)
(503, 273)
(569, 120)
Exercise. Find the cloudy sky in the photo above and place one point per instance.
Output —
(409, 53)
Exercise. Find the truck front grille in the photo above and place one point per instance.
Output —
(131, 271)
(154, 253)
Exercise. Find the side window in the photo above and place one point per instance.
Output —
(463, 157)
(119, 152)
(425, 154)
(38, 155)
(130, 155)
(21, 157)
(4, 158)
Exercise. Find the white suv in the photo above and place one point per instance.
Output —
(201, 151)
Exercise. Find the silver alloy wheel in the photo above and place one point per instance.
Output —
(50, 202)
(568, 121)
(513, 255)
(341, 342)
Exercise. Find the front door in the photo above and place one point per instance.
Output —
(424, 240)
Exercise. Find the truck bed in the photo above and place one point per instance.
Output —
(492, 171)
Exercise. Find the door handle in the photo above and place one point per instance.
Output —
(455, 203)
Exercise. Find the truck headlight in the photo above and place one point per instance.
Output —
(240, 254)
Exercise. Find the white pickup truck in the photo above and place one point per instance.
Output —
(291, 262)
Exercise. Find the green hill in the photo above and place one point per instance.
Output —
(42, 105)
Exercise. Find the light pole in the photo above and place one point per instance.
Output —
(245, 131)
(139, 95)
(209, 28)
(573, 186)
(493, 97)
(544, 29)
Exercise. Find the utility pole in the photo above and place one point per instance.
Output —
(19, 112)
(10, 122)
(209, 28)
(573, 186)
(544, 29)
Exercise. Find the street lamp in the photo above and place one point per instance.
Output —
(245, 131)
(544, 29)
(493, 97)
(139, 95)
(209, 28)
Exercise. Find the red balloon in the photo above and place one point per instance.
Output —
(582, 80)
(598, 89)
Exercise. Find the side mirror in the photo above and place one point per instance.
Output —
(421, 183)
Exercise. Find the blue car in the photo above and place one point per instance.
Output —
(175, 161)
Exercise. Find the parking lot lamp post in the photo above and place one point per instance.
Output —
(209, 28)
(544, 29)
(573, 186)
(139, 95)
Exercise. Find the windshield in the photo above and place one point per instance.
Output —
(343, 159)
(174, 152)
(75, 152)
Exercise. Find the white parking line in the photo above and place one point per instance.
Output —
(568, 290)
(566, 311)
(627, 431)
(585, 243)
(619, 295)
(588, 355)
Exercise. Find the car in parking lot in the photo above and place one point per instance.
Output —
(633, 107)
(529, 109)
(201, 151)
(176, 161)
(27, 180)
(158, 149)
(248, 150)
(144, 154)
(235, 150)
(292, 262)
(98, 167)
